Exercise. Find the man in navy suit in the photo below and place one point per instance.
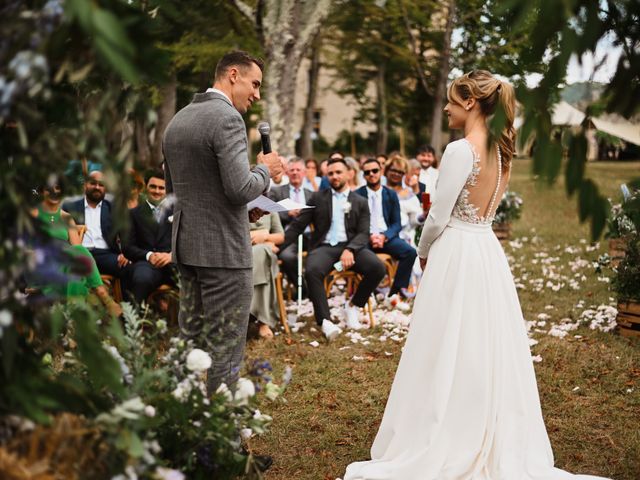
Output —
(385, 224)
(100, 238)
(149, 240)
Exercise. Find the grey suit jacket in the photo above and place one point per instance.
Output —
(280, 193)
(207, 169)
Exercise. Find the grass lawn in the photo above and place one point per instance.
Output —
(589, 380)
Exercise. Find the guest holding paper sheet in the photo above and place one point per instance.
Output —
(296, 171)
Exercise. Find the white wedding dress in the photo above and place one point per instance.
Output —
(464, 404)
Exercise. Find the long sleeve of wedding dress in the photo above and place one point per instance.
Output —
(456, 165)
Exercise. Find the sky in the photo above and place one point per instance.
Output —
(582, 71)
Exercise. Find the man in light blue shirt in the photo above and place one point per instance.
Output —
(341, 234)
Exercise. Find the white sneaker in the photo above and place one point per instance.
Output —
(351, 312)
(330, 330)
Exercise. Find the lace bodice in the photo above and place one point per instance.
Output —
(462, 185)
(464, 209)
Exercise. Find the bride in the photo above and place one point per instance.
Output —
(464, 403)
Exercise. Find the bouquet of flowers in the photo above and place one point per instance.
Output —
(509, 209)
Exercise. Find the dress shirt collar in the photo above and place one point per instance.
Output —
(374, 193)
(86, 204)
(152, 206)
(219, 92)
(343, 194)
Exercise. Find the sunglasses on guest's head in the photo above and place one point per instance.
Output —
(372, 171)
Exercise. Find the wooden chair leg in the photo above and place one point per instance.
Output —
(372, 322)
(283, 310)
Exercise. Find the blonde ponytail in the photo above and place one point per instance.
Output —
(490, 93)
(507, 140)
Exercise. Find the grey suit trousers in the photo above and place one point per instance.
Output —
(214, 312)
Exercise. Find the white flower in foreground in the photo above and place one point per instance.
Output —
(246, 433)
(198, 360)
(271, 391)
(162, 473)
(224, 390)
(150, 411)
(6, 318)
(244, 390)
(180, 394)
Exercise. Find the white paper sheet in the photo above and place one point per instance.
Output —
(268, 205)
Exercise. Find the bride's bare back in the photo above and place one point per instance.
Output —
(487, 182)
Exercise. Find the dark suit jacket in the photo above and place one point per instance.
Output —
(76, 210)
(324, 184)
(146, 234)
(356, 221)
(280, 193)
(390, 210)
(207, 169)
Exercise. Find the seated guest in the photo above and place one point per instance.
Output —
(429, 170)
(353, 169)
(341, 233)
(325, 184)
(60, 228)
(412, 177)
(312, 180)
(100, 239)
(149, 242)
(411, 214)
(137, 186)
(296, 192)
(385, 225)
(266, 234)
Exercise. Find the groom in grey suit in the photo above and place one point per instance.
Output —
(207, 169)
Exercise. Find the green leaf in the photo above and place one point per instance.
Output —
(118, 61)
(576, 164)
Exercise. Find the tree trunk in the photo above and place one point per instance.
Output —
(166, 111)
(286, 28)
(440, 93)
(382, 117)
(143, 147)
(306, 142)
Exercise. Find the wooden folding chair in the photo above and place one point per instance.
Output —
(352, 280)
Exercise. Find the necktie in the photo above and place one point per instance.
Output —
(296, 192)
(374, 214)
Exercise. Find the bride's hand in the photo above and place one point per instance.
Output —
(423, 263)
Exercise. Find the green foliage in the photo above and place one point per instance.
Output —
(626, 281)
(624, 218)
(575, 28)
(368, 39)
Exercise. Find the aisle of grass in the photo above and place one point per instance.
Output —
(589, 381)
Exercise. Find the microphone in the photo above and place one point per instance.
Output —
(265, 129)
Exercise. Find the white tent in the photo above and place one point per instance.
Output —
(620, 128)
(565, 114)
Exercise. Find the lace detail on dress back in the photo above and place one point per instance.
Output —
(464, 209)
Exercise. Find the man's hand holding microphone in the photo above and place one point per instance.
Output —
(276, 164)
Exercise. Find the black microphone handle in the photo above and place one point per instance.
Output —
(266, 144)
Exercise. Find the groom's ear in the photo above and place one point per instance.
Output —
(233, 75)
